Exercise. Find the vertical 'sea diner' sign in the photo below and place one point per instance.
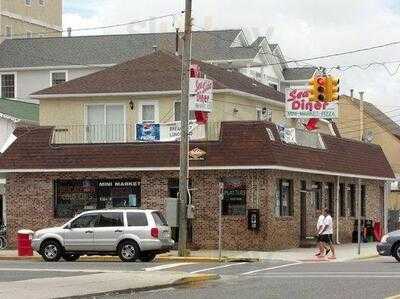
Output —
(200, 94)
(299, 106)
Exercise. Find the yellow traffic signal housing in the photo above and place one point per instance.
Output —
(332, 89)
(317, 88)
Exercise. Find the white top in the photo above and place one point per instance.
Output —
(329, 223)
(320, 221)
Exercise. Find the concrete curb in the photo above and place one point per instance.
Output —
(199, 259)
(366, 257)
(205, 259)
(193, 278)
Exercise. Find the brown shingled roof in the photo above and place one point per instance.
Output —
(159, 71)
(242, 144)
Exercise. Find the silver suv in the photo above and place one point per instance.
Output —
(129, 233)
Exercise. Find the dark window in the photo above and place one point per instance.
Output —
(363, 200)
(84, 221)
(110, 219)
(234, 200)
(8, 86)
(72, 197)
(342, 199)
(331, 200)
(58, 78)
(136, 219)
(285, 198)
(352, 200)
(173, 187)
(159, 219)
(317, 186)
(274, 86)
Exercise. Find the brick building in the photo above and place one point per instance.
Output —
(47, 184)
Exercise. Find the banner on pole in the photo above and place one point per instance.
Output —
(298, 105)
(200, 94)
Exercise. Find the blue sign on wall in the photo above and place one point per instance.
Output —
(148, 132)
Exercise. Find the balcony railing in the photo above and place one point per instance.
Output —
(117, 133)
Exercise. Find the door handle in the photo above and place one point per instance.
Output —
(89, 232)
(118, 231)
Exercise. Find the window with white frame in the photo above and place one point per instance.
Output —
(148, 112)
(8, 32)
(8, 86)
(29, 34)
(28, 2)
(58, 77)
(105, 123)
(177, 112)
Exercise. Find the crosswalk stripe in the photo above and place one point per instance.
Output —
(167, 266)
(271, 268)
(217, 267)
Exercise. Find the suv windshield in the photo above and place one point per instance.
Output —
(159, 219)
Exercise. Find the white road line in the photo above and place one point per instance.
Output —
(167, 266)
(271, 268)
(218, 267)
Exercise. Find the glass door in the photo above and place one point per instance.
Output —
(115, 123)
(95, 126)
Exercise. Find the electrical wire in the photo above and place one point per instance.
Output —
(51, 31)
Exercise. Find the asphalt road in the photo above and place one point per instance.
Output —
(373, 278)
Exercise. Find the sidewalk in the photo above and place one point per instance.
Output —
(96, 284)
(345, 252)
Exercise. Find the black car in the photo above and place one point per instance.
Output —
(390, 245)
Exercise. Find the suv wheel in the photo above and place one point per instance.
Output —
(147, 257)
(51, 251)
(128, 251)
(396, 252)
(70, 257)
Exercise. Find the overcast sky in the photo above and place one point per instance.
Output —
(303, 29)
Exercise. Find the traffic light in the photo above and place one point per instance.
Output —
(317, 88)
(332, 89)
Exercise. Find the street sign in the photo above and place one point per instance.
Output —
(200, 94)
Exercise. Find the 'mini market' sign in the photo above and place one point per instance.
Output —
(298, 105)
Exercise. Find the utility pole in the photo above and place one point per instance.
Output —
(184, 145)
(359, 215)
(361, 115)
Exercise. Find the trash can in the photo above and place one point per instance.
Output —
(24, 242)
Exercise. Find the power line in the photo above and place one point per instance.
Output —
(50, 31)
(344, 52)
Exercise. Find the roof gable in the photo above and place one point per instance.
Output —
(157, 72)
(379, 116)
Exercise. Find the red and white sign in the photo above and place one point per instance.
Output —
(200, 94)
(298, 105)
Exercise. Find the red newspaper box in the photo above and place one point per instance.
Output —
(24, 242)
